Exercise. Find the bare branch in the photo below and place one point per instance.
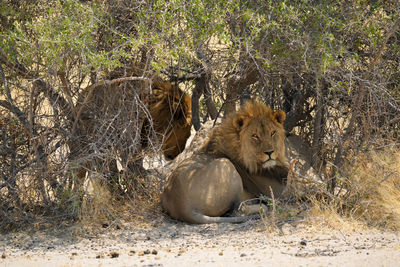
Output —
(15, 110)
(393, 28)
(91, 88)
(3, 78)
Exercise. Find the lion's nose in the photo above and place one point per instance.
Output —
(269, 153)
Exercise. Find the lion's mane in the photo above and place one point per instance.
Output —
(227, 140)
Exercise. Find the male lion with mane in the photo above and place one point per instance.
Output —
(125, 121)
(169, 109)
(242, 158)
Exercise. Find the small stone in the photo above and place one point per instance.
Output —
(74, 254)
(114, 254)
(221, 253)
(303, 242)
(3, 256)
(154, 252)
(243, 255)
(146, 252)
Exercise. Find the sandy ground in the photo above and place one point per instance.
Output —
(170, 243)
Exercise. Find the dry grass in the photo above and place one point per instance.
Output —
(327, 215)
(102, 206)
(99, 205)
(373, 184)
(369, 194)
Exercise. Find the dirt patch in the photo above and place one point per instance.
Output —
(170, 243)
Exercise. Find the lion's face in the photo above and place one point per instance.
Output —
(262, 140)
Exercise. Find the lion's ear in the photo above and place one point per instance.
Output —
(239, 121)
(280, 116)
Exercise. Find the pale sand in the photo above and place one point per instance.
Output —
(170, 243)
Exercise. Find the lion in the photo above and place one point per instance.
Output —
(117, 124)
(243, 158)
(169, 109)
(171, 112)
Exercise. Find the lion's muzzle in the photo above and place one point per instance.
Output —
(269, 163)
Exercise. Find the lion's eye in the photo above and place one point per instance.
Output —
(255, 136)
(273, 133)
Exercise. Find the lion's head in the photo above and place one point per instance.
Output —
(253, 137)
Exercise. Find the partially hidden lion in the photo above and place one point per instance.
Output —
(117, 125)
(243, 158)
(171, 111)
(169, 115)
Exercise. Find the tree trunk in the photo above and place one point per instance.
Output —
(235, 87)
(318, 124)
(196, 94)
(211, 108)
(202, 86)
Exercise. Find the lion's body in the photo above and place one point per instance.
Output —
(202, 188)
(243, 158)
